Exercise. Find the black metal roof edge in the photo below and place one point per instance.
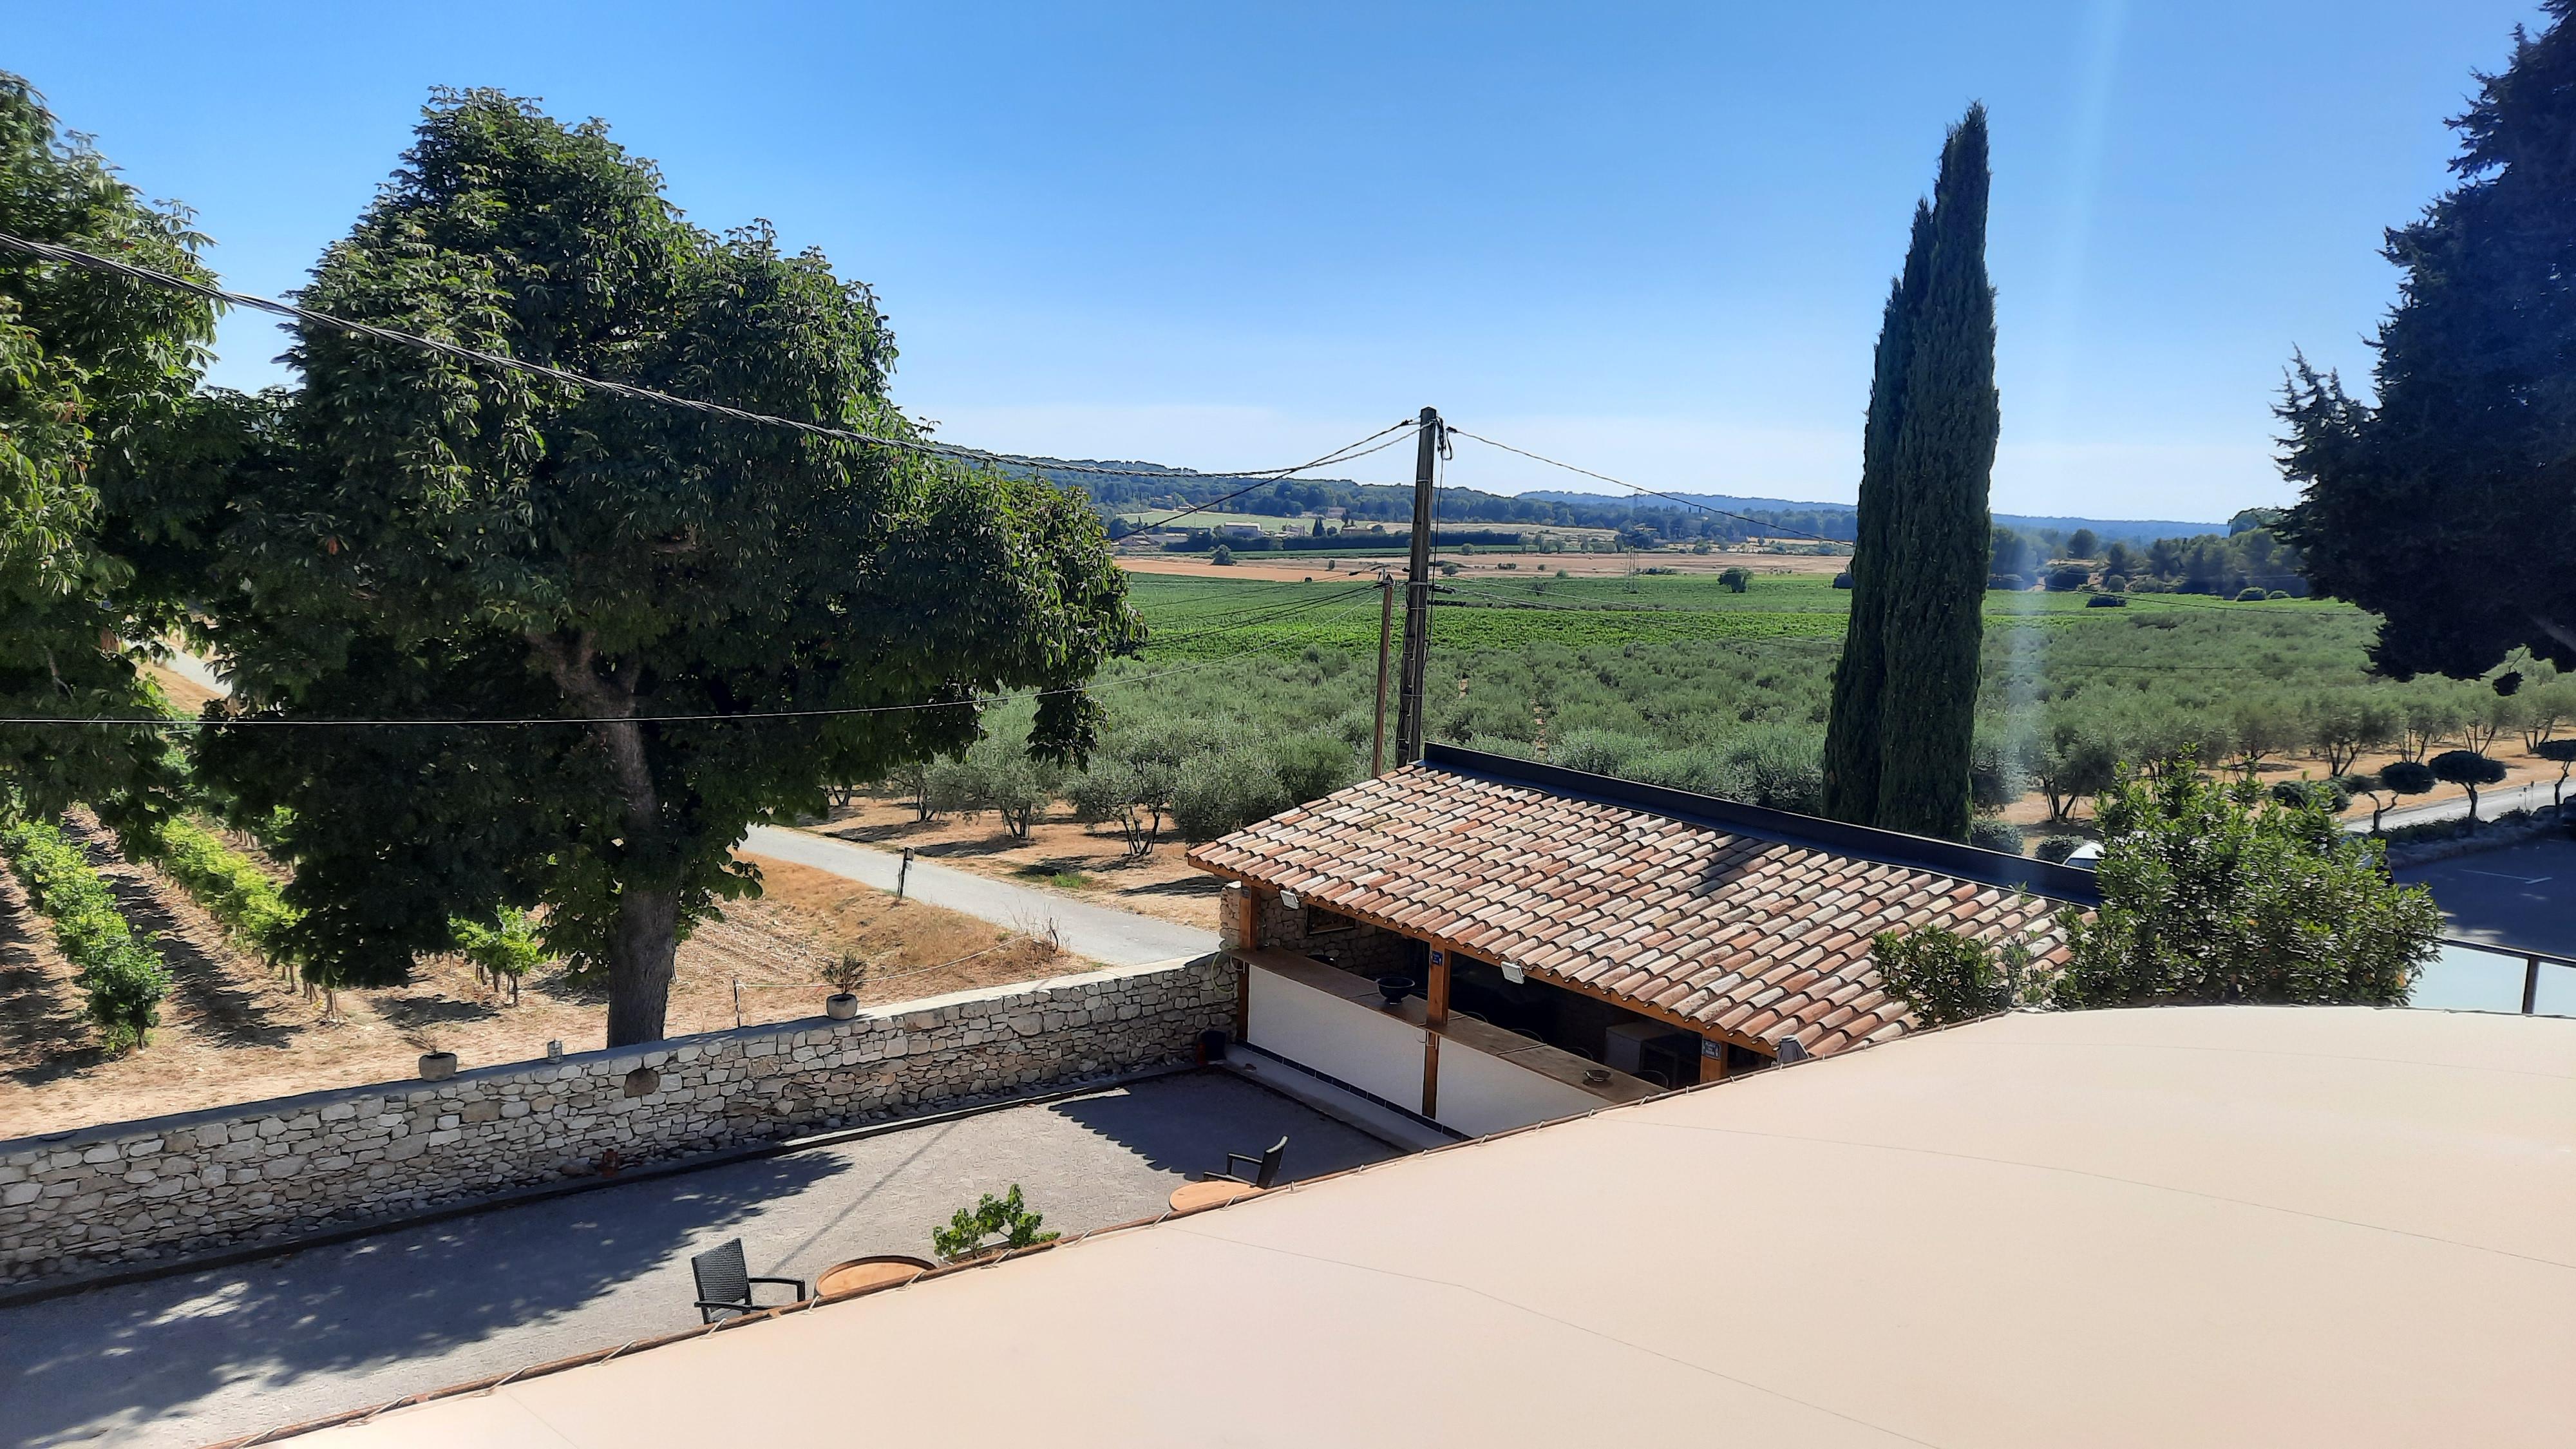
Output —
(2072, 884)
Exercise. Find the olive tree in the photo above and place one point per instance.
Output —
(2469, 770)
(708, 622)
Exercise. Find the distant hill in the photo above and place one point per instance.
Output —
(2109, 530)
(1141, 488)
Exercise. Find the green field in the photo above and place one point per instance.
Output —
(1252, 694)
(1194, 619)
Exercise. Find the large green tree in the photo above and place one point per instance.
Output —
(654, 587)
(1903, 721)
(2448, 507)
(94, 370)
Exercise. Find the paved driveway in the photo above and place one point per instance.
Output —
(208, 1356)
(2518, 897)
(1100, 933)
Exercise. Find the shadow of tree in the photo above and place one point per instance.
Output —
(95, 1363)
(1188, 1124)
(41, 1026)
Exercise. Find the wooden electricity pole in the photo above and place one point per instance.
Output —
(1417, 595)
(1385, 632)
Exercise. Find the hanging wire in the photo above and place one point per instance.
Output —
(1681, 499)
(91, 261)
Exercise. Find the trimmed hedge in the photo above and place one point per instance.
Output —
(123, 979)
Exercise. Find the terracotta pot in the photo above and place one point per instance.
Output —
(437, 1066)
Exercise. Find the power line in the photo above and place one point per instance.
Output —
(1402, 431)
(1642, 488)
(91, 261)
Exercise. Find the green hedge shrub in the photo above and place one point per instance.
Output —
(238, 894)
(122, 978)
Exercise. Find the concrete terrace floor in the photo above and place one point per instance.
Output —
(207, 1356)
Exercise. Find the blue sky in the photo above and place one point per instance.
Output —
(1650, 239)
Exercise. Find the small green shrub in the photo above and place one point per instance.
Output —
(971, 1231)
(1987, 833)
(2252, 595)
(122, 979)
(508, 947)
(1945, 977)
(2107, 601)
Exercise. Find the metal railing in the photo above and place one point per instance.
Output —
(2475, 976)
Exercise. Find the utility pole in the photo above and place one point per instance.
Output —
(1385, 632)
(1417, 595)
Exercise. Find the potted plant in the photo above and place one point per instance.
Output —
(437, 1066)
(847, 977)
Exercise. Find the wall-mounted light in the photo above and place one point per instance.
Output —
(1512, 973)
(1292, 900)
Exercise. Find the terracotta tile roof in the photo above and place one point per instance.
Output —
(1754, 921)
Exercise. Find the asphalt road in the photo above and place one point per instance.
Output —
(2517, 897)
(2492, 802)
(1100, 933)
(200, 1357)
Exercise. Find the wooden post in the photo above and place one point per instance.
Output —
(1417, 596)
(1435, 1017)
(2530, 984)
(1385, 636)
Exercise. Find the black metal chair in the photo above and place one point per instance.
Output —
(724, 1283)
(1265, 1167)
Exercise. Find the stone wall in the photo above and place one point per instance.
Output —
(82, 1200)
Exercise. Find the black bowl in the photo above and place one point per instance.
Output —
(1394, 988)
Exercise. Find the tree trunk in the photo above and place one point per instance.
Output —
(643, 950)
(643, 942)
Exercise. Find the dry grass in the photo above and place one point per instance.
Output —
(232, 1030)
(1060, 855)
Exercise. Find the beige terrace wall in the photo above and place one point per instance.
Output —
(119, 1192)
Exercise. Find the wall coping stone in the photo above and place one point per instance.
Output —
(607, 1061)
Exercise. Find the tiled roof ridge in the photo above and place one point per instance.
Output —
(2072, 884)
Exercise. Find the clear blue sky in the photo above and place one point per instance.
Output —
(1652, 239)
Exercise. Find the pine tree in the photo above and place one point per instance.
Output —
(2448, 508)
(1904, 719)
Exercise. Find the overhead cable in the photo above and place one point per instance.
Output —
(1681, 499)
(91, 261)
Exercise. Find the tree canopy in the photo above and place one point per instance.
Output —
(2213, 893)
(2448, 506)
(94, 371)
(411, 537)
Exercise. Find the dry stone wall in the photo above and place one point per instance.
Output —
(82, 1200)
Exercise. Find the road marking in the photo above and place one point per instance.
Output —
(2500, 875)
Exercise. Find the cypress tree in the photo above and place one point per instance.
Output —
(1905, 696)
(1851, 738)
